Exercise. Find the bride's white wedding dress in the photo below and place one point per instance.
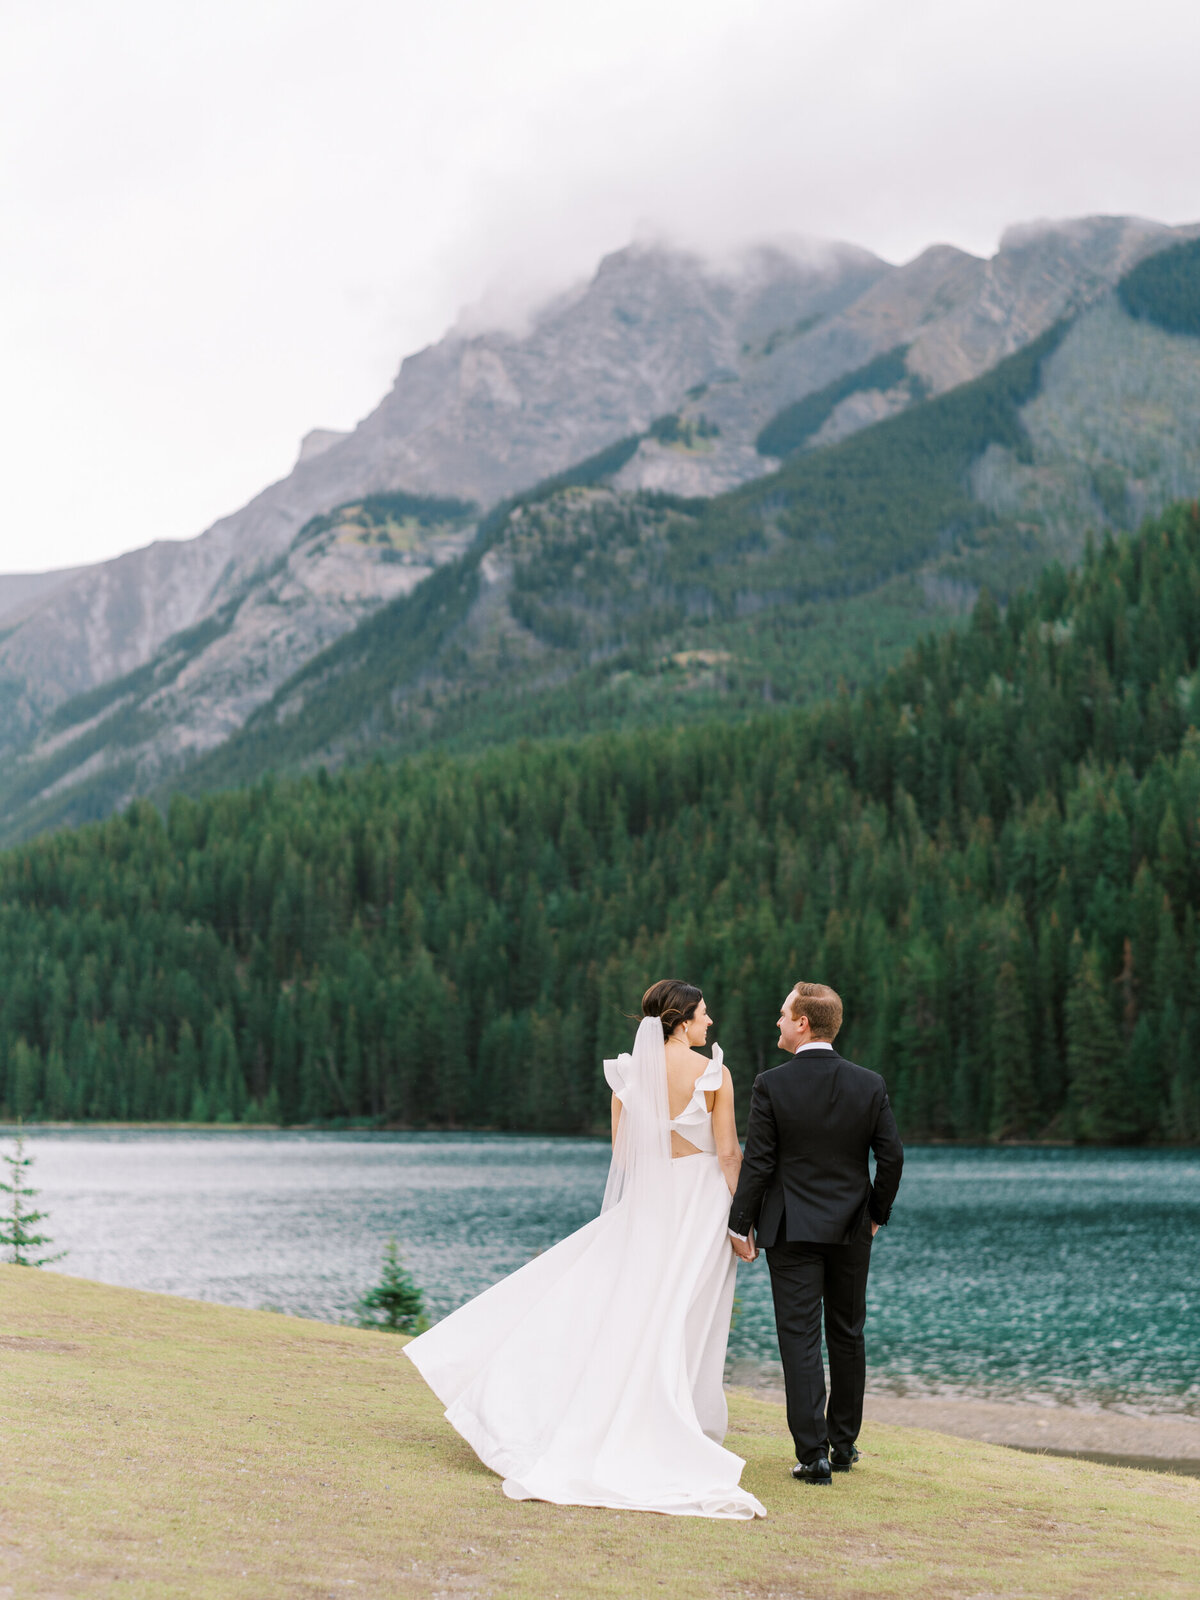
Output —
(593, 1375)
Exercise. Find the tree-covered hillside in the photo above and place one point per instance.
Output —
(994, 855)
(1165, 289)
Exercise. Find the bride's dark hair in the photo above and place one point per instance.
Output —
(672, 1001)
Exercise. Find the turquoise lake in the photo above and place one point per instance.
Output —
(1055, 1274)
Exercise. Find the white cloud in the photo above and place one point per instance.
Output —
(223, 225)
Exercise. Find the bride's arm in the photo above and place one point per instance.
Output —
(616, 1117)
(729, 1151)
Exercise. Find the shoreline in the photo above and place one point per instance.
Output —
(1167, 1442)
(9, 1129)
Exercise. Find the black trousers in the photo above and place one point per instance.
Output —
(803, 1276)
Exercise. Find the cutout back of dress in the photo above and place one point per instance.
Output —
(693, 1126)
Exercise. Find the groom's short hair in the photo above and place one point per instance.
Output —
(821, 1005)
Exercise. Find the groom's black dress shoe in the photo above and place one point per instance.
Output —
(842, 1460)
(816, 1471)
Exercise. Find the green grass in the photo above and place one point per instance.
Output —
(162, 1447)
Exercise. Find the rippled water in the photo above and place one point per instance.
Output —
(1050, 1273)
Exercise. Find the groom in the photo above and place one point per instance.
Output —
(806, 1187)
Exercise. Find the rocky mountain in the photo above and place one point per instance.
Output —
(954, 315)
(483, 415)
(685, 378)
(201, 685)
(475, 417)
(582, 606)
(22, 591)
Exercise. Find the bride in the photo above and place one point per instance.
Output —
(592, 1376)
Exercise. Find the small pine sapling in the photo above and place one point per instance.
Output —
(395, 1304)
(17, 1224)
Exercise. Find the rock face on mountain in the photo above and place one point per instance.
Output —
(202, 684)
(20, 592)
(956, 314)
(1113, 434)
(317, 440)
(495, 413)
(715, 351)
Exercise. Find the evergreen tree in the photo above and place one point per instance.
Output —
(1013, 1100)
(1100, 1100)
(1146, 1078)
(187, 1067)
(17, 1223)
(395, 1304)
(26, 1079)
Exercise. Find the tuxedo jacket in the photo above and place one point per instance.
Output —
(805, 1174)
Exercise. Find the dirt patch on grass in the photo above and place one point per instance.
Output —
(1121, 1438)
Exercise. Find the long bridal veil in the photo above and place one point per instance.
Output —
(639, 1173)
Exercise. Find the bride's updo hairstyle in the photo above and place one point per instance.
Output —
(672, 1001)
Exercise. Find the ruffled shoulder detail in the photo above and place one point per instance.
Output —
(710, 1078)
(617, 1073)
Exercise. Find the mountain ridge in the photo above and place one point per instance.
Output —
(487, 415)
(250, 615)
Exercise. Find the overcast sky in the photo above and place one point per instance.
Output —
(224, 224)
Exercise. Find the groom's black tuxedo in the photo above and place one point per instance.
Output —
(805, 1173)
(806, 1188)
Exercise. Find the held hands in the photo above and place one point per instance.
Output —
(745, 1249)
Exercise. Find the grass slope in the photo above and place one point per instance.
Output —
(159, 1447)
